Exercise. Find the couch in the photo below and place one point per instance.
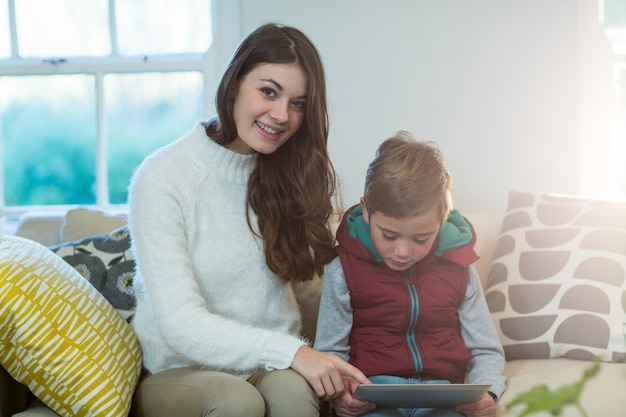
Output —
(543, 258)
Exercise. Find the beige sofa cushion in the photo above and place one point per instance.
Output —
(602, 396)
(52, 228)
(37, 409)
(84, 222)
(43, 228)
(486, 221)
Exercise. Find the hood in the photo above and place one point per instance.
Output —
(455, 240)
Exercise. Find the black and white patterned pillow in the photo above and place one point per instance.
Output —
(557, 285)
(107, 262)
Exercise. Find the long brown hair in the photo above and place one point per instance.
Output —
(291, 190)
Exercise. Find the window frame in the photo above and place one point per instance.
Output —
(616, 35)
(226, 34)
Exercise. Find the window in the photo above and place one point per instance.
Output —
(89, 88)
(613, 16)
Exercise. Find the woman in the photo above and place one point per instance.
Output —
(223, 221)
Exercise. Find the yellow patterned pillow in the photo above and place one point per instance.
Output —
(60, 337)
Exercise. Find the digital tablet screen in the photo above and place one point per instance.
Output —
(420, 395)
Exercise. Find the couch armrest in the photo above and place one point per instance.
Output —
(14, 397)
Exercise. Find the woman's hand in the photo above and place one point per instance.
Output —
(325, 372)
(484, 407)
(348, 406)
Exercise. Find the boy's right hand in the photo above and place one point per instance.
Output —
(325, 372)
(348, 406)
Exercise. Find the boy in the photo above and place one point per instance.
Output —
(401, 301)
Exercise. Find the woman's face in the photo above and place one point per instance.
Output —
(269, 107)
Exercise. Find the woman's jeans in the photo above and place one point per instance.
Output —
(407, 412)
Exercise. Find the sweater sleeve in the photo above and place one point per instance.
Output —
(180, 326)
(334, 320)
(487, 363)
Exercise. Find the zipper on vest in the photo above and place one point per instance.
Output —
(410, 330)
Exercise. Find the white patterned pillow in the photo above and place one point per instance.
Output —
(60, 337)
(557, 284)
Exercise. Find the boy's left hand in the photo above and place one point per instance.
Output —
(484, 407)
(348, 406)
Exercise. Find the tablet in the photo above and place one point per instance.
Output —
(420, 395)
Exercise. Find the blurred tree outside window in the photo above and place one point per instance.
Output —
(169, 105)
(49, 139)
(81, 107)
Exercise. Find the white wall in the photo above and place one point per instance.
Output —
(517, 93)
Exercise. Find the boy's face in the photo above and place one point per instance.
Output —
(403, 242)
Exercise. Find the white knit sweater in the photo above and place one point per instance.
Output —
(205, 296)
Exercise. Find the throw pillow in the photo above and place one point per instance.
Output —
(557, 284)
(107, 262)
(60, 337)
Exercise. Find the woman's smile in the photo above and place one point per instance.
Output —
(265, 129)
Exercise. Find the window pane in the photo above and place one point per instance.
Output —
(5, 46)
(49, 139)
(614, 13)
(62, 28)
(163, 26)
(144, 112)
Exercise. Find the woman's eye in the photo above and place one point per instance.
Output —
(268, 92)
(299, 105)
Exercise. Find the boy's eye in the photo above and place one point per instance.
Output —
(420, 241)
(389, 238)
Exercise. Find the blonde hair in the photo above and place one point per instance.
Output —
(408, 178)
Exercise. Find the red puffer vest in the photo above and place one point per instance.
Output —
(406, 323)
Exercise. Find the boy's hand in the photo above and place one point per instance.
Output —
(484, 407)
(348, 406)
